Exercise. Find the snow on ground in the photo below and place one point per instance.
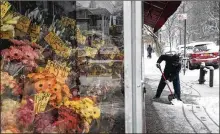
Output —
(208, 96)
(200, 111)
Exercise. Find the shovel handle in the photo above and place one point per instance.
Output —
(165, 80)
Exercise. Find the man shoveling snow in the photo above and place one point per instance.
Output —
(171, 73)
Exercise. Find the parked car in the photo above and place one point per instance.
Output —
(189, 49)
(207, 52)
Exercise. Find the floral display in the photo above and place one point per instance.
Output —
(46, 82)
(22, 51)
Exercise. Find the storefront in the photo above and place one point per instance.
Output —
(72, 66)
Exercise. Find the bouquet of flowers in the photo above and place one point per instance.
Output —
(23, 52)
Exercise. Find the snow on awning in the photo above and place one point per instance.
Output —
(156, 13)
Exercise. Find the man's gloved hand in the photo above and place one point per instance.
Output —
(166, 81)
(158, 65)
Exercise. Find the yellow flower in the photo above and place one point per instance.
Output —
(76, 105)
(96, 113)
(85, 106)
(85, 113)
(87, 100)
(67, 104)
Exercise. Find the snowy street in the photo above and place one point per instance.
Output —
(199, 112)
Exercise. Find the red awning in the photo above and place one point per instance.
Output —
(156, 13)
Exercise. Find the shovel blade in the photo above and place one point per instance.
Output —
(171, 97)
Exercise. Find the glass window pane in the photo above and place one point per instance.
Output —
(101, 71)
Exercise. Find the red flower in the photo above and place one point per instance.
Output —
(15, 54)
(29, 52)
(26, 48)
(68, 120)
(28, 55)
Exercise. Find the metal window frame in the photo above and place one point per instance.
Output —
(127, 67)
(132, 11)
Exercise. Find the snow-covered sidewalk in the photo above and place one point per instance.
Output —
(200, 111)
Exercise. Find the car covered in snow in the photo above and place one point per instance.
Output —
(207, 52)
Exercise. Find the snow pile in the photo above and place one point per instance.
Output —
(176, 102)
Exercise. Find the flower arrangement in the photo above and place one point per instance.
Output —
(23, 51)
(47, 82)
(68, 121)
(85, 107)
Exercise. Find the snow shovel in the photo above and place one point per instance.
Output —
(171, 95)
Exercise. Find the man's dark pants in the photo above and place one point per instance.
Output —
(176, 85)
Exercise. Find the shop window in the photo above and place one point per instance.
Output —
(56, 75)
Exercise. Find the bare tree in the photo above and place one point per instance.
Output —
(202, 22)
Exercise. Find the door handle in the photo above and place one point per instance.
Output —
(144, 90)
